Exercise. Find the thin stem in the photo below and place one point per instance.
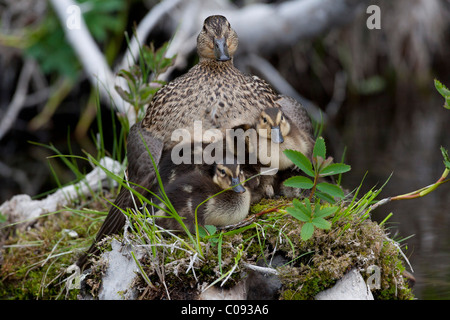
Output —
(313, 190)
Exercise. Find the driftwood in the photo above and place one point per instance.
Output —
(21, 209)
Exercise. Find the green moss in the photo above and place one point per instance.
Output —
(35, 260)
(312, 266)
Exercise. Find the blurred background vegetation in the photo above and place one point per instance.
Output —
(376, 87)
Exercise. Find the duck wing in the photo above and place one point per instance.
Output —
(141, 172)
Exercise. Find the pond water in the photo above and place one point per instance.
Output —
(382, 140)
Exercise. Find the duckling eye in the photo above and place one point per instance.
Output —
(264, 119)
(222, 171)
(282, 118)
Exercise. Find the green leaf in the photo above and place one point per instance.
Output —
(324, 196)
(325, 212)
(202, 232)
(446, 157)
(321, 223)
(334, 168)
(307, 231)
(211, 229)
(331, 189)
(299, 182)
(444, 92)
(300, 160)
(319, 148)
(298, 214)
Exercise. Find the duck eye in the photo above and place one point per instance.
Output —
(282, 118)
(222, 171)
(265, 119)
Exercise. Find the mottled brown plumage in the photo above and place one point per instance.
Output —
(189, 190)
(213, 91)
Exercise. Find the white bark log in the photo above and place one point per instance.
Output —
(92, 59)
(21, 209)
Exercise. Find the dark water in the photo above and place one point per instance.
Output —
(383, 139)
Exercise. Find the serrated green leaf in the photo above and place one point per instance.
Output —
(211, 229)
(298, 214)
(297, 203)
(307, 231)
(319, 148)
(202, 232)
(324, 196)
(300, 160)
(442, 89)
(334, 168)
(299, 182)
(325, 212)
(331, 189)
(446, 157)
(321, 223)
(444, 92)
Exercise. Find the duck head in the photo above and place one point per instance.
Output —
(229, 175)
(217, 40)
(273, 125)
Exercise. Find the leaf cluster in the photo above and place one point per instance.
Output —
(141, 78)
(313, 217)
(319, 167)
(310, 212)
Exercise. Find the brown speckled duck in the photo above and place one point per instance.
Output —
(213, 91)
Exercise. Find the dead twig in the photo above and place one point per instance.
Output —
(251, 219)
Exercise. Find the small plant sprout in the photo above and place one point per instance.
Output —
(319, 167)
(313, 216)
(310, 212)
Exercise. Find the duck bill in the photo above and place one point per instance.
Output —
(277, 137)
(221, 50)
(237, 187)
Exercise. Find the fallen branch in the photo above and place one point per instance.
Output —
(92, 59)
(280, 84)
(21, 209)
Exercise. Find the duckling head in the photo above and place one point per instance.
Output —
(217, 40)
(229, 175)
(273, 125)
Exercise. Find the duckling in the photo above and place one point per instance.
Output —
(260, 186)
(168, 171)
(277, 132)
(187, 191)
